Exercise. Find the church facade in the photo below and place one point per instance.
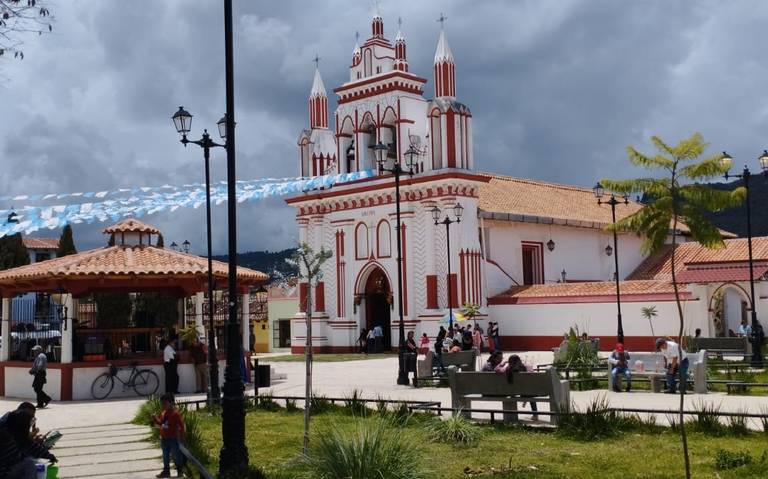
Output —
(534, 255)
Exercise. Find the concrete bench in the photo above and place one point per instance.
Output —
(722, 346)
(651, 366)
(545, 386)
(425, 367)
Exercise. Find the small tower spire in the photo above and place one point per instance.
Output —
(318, 100)
(444, 67)
(377, 24)
(356, 56)
(401, 63)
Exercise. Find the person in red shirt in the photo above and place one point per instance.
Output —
(172, 431)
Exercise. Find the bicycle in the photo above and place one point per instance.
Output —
(144, 381)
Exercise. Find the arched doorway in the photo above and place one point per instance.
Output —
(378, 305)
(729, 305)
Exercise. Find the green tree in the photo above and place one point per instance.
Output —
(66, 243)
(677, 198)
(111, 241)
(471, 310)
(160, 243)
(310, 266)
(13, 253)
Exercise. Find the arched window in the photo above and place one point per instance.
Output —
(367, 62)
(384, 239)
(361, 241)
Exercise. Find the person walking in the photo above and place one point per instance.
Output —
(172, 433)
(38, 370)
(361, 340)
(673, 353)
(489, 335)
(495, 335)
(619, 361)
(171, 363)
(439, 349)
(378, 336)
(199, 352)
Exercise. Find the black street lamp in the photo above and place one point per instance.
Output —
(613, 201)
(185, 246)
(182, 120)
(262, 295)
(757, 338)
(458, 210)
(234, 454)
(380, 150)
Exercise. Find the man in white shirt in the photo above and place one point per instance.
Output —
(170, 363)
(676, 362)
(378, 335)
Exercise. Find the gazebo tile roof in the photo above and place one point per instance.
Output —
(131, 225)
(124, 260)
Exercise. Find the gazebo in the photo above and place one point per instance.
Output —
(114, 304)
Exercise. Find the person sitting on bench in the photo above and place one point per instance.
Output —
(619, 360)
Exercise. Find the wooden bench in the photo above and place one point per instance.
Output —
(545, 386)
(653, 369)
(425, 367)
(721, 346)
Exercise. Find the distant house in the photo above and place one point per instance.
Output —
(41, 249)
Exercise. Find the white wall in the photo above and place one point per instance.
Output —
(580, 251)
(18, 383)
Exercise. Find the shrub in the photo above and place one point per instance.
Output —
(596, 422)
(731, 460)
(147, 411)
(737, 425)
(373, 450)
(194, 435)
(455, 429)
(244, 472)
(291, 406)
(265, 402)
(319, 404)
(707, 420)
(354, 405)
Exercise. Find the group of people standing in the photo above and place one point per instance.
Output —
(371, 340)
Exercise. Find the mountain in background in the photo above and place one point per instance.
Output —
(273, 263)
(735, 219)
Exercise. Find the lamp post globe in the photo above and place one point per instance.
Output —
(222, 125)
(726, 161)
(763, 159)
(182, 120)
(598, 190)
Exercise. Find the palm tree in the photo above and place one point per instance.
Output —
(310, 266)
(649, 312)
(677, 198)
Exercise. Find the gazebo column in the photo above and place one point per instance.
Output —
(245, 322)
(5, 348)
(199, 299)
(66, 330)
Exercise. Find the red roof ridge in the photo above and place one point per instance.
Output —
(131, 225)
(530, 181)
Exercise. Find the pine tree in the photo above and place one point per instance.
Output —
(160, 243)
(111, 241)
(676, 198)
(66, 243)
(13, 253)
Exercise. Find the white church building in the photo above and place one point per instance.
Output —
(534, 255)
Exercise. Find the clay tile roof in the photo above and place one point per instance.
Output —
(131, 225)
(41, 243)
(124, 260)
(587, 291)
(517, 199)
(691, 255)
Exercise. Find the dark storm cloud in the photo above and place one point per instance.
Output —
(557, 90)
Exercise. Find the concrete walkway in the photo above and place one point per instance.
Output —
(107, 451)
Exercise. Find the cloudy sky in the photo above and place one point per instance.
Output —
(557, 89)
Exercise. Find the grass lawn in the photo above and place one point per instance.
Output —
(324, 358)
(274, 441)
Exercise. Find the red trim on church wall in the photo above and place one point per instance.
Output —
(454, 291)
(545, 343)
(303, 297)
(451, 138)
(320, 296)
(463, 275)
(66, 382)
(431, 291)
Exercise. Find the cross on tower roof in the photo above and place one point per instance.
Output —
(316, 60)
(399, 23)
(442, 20)
(357, 36)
